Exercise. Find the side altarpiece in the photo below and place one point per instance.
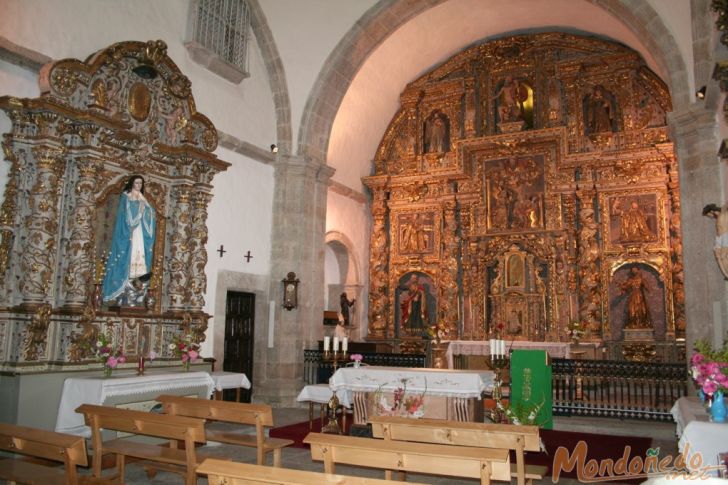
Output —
(528, 183)
(125, 110)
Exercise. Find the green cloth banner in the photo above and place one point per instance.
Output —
(531, 385)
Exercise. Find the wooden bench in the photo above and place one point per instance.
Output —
(173, 428)
(484, 435)
(48, 445)
(258, 415)
(219, 471)
(454, 461)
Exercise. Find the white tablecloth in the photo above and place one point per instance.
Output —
(95, 390)
(437, 382)
(321, 393)
(694, 428)
(557, 350)
(229, 380)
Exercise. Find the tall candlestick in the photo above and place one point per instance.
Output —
(327, 343)
(345, 345)
(502, 349)
(492, 347)
(336, 344)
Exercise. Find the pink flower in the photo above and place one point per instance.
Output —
(710, 387)
(193, 355)
(121, 359)
(697, 358)
(152, 355)
(112, 362)
(185, 357)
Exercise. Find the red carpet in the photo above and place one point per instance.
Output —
(600, 446)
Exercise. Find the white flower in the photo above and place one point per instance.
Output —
(172, 346)
(99, 343)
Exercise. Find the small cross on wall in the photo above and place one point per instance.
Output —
(248, 256)
(221, 250)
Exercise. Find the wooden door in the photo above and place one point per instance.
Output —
(239, 327)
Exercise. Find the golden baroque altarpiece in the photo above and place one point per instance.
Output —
(529, 182)
(126, 110)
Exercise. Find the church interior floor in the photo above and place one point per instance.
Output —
(662, 433)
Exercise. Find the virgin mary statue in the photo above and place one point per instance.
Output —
(129, 265)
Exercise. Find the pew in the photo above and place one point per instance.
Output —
(173, 428)
(456, 461)
(258, 415)
(219, 471)
(48, 445)
(508, 436)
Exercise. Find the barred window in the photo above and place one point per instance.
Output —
(223, 27)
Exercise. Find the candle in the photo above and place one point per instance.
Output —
(336, 344)
(345, 344)
(502, 349)
(327, 343)
(492, 347)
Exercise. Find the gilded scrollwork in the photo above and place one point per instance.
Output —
(35, 344)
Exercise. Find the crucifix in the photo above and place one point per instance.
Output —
(221, 250)
(247, 256)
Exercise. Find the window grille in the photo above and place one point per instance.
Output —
(222, 26)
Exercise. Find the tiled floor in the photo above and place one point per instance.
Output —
(663, 435)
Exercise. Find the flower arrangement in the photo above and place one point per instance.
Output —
(520, 413)
(437, 332)
(498, 330)
(403, 405)
(575, 330)
(709, 368)
(104, 352)
(184, 348)
(356, 358)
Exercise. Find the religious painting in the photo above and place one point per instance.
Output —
(515, 194)
(636, 300)
(633, 219)
(416, 233)
(514, 103)
(516, 315)
(416, 306)
(436, 137)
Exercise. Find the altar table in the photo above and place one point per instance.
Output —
(556, 350)
(124, 388)
(450, 394)
(229, 380)
(693, 427)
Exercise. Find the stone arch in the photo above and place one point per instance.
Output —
(387, 16)
(276, 76)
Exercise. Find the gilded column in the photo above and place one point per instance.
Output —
(589, 307)
(378, 267)
(448, 284)
(79, 252)
(38, 255)
(677, 326)
(198, 241)
(179, 250)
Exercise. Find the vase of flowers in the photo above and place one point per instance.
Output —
(356, 359)
(186, 349)
(709, 370)
(104, 352)
(575, 330)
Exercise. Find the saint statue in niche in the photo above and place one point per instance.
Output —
(599, 116)
(345, 305)
(436, 134)
(511, 96)
(413, 305)
(638, 314)
(129, 265)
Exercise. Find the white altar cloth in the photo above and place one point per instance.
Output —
(693, 427)
(556, 350)
(229, 380)
(95, 390)
(437, 382)
(321, 393)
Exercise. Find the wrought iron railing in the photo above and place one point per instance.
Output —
(316, 370)
(617, 389)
